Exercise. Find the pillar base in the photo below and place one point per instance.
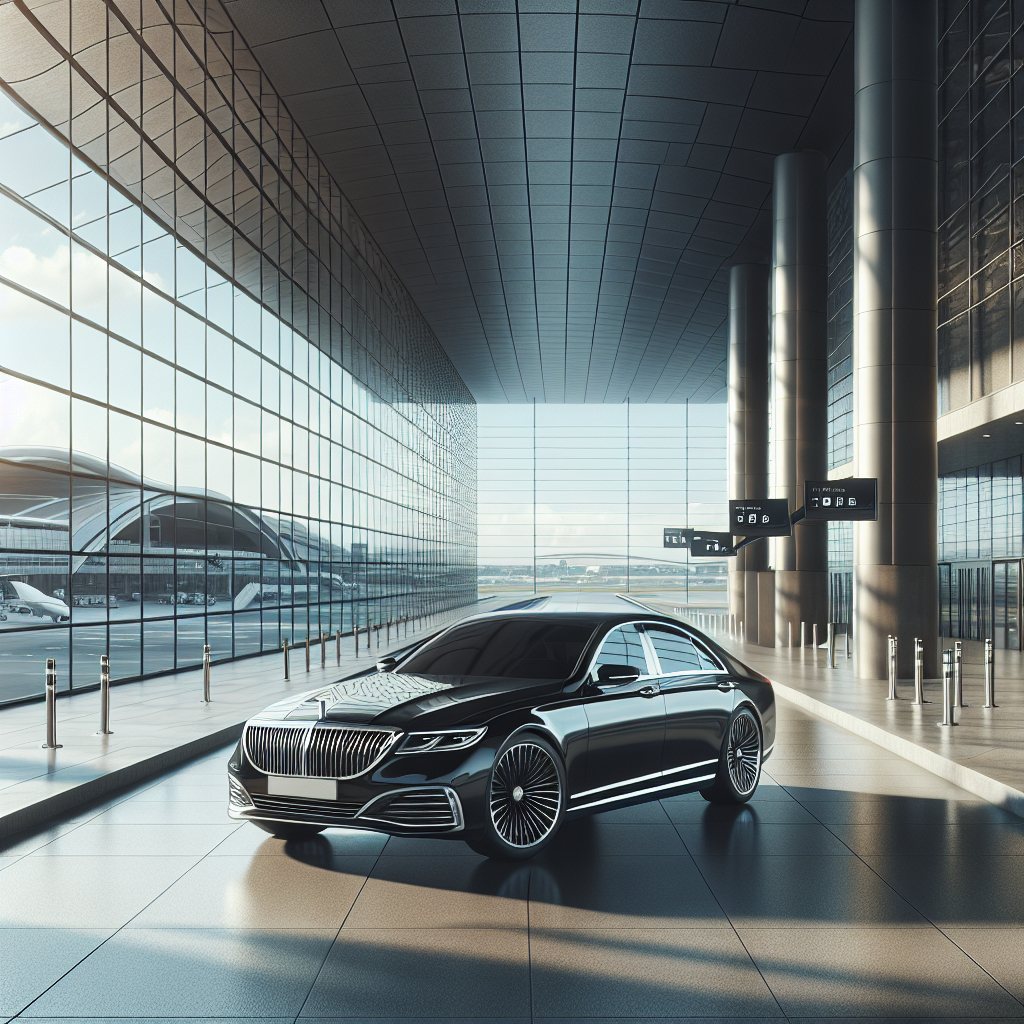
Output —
(801, 595)
(750, 615)
(766, 608)
(901, 600)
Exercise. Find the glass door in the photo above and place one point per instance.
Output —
(1006, 605)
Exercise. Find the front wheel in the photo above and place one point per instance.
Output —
(739, 764)
(288, 831)
(525, 800)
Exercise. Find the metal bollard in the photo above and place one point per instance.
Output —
(284, 647)
(814, 638)
(789, 642)
(990, 675)
(947, 689)
(307, 650)
(831, 645)
(388, 640)
(919, 672)
(355, 633)
(743, 632)
(337, 645)
(51, 706)
(104, 696)
(848, 640)
(958, 675)
(323, 650)
(891, 667)
(206, 673)
(803, 635)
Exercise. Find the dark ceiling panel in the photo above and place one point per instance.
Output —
(563, 186)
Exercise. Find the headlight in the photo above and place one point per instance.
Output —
(442, 739)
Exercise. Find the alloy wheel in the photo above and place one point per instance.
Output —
(743, 753)
(526, 795)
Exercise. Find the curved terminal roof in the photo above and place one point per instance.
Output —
(563, 185)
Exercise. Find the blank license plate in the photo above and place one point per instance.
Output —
(308, 789)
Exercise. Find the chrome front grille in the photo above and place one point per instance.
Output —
(290, 808)
(316, 749)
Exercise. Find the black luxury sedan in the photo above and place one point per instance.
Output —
(498, 728)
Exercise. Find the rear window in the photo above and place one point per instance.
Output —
(514, 648)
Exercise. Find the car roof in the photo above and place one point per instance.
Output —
(604, 608)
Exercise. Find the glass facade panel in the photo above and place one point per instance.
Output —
(190, 314)
(981, 178)
(575, 497)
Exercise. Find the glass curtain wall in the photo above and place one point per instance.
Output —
(222, 420)
(576, 498)
(981, 199)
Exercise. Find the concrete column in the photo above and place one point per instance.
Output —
(894, 322)
(800, 383)
(748, 425)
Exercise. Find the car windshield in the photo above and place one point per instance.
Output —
(516, 648)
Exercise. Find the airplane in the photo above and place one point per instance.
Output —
(39, 604)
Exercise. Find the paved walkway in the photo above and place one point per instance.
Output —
(983, 754)
(157, 723)
(853, 886)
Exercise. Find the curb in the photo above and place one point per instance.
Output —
(990, 790)
(70, 799)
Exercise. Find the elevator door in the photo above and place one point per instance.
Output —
(1006, 605)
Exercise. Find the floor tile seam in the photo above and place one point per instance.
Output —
(732, 926)
(982, 968)
(337, 935)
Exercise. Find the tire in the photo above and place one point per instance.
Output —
(739, 764)
(288, 831)
(525, 800)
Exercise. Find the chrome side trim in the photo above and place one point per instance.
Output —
(642, 792)
(643, 778)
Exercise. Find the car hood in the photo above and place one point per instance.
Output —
(399, 699)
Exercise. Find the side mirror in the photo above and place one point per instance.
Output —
(618, 674)
(386, 664)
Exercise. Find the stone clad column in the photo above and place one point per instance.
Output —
(894, 323)
(800, 384)
(748, 425)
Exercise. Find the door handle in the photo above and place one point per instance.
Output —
(726, 686)
(648, 691)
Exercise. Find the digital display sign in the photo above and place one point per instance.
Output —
(711, 545)
(676, 537)
(760, 517)
(853, 499)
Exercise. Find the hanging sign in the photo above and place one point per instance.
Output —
(760, 517)
(676, 537)
(851, 499)
(711, 545)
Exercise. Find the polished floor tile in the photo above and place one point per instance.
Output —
(999, 951)
(624, 972)
(149, 812)
(84, 892)
(844, 972)
(587, 837)
(958, 891)
(773, 812)
(406, 972)
(34, 958)
(796, 891)
(252, 841)
(747, 836)
(895, 839)
(441, 892)
(623, 892)
(191, 973)
(258, 893)
(106, 839)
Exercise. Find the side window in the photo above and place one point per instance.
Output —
(675, 652)
(678, 653)
(623, 646)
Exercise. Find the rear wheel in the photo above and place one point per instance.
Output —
(739, 764)
(288, 831)
(525, 800)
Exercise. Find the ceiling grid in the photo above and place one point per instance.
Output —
(563, 185)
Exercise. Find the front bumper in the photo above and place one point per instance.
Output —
(429, 794)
